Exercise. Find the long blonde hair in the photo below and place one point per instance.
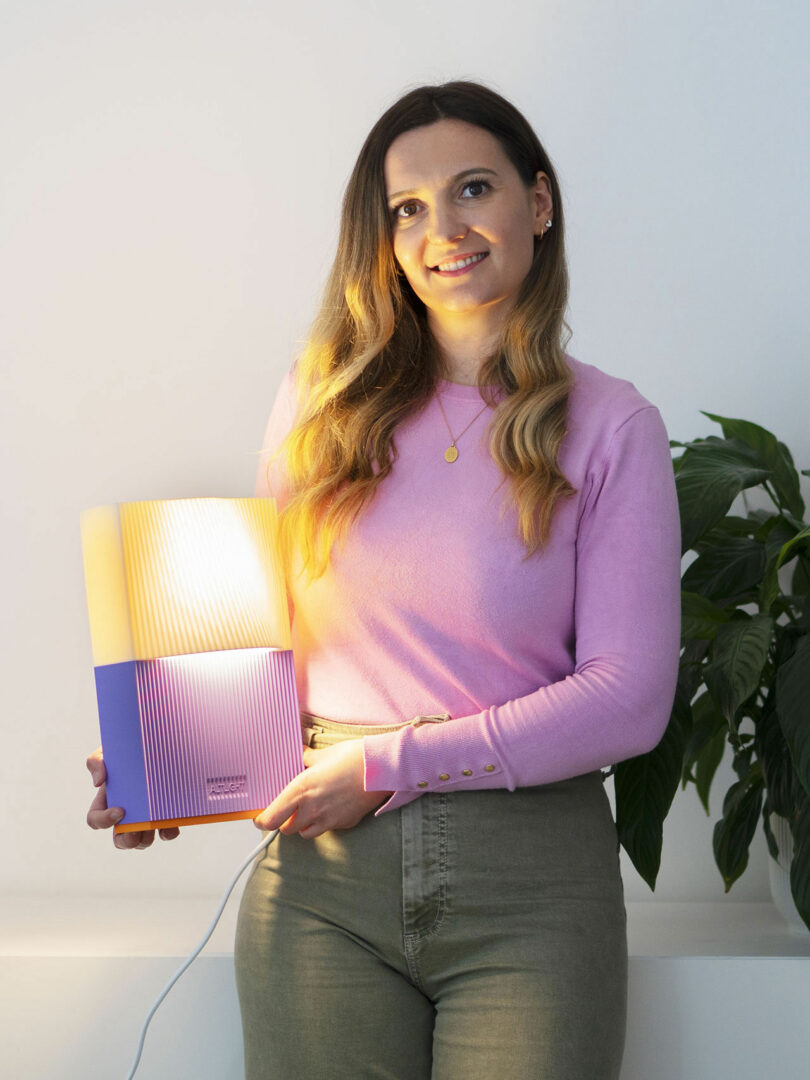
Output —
(370, 360)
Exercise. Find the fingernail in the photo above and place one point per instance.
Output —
(116, 815)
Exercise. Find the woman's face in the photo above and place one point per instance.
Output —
(453, 193)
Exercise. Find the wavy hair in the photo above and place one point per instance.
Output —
(370, 359)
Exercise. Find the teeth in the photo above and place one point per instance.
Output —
(460, 262)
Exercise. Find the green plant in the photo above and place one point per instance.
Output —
(744, 676)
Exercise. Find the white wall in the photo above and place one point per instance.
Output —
(171, 182)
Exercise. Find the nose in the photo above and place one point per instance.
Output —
(445, 224)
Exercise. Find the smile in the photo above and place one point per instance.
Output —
(456, 267)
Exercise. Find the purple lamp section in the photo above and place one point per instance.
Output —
(221, 730)
(209, 733)
(117, 693)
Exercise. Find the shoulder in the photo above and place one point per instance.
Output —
(269, 479)
(595, 392)
(602, 407)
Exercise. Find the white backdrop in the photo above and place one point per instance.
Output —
(171, 182)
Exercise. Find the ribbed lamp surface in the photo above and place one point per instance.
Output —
(191, 642)
(201, 575)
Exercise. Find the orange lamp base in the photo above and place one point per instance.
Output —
(203, 819)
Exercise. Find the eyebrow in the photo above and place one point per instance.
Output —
(452, 180)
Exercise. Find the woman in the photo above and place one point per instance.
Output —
(484, 554)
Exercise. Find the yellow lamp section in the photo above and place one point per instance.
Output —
(105, 583)
(188, 576)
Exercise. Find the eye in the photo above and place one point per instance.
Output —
(395, 210)
(478, 182)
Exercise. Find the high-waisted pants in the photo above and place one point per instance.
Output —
(468, 935)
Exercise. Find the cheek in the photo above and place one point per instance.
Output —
(521, 247)
(404, 252)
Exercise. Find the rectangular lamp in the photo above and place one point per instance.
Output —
(195, 682)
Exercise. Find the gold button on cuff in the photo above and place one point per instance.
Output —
(489, 768)
(466, 772)
(444, 776)
(422, 783)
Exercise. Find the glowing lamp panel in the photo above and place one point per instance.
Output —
(210, 734)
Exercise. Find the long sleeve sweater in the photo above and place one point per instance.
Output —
(549, 666)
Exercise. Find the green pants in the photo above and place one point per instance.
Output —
(467, 935)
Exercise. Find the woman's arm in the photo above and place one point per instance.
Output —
(617, 702)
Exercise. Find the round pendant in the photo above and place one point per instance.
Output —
(450, 453)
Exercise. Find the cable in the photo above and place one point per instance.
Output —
(190, 960)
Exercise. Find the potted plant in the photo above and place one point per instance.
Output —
(744, 676)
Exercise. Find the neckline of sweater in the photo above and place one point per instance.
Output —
(458, 391)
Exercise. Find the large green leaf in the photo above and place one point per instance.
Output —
(793, 708)
(773, 847)
(645, 787)
(727, 569)
(774, 755)
(705, 745)
(800, 866)
(734, 831)
(774, 532)
(708, 763)
(739, 653)
(774, 455)
(799, 542)
(706, 721)
(768, 589)
(800, 583)
(700, 618)
(741, 762)
(712, 474)
(782, 542)
(690, 671)
(731, 525)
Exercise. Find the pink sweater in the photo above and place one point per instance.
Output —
(550, 666)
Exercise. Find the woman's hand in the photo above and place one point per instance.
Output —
(101, 816)
(327, 795)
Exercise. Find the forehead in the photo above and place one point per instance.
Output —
(428, 156)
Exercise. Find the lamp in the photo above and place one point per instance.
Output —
(194, 673)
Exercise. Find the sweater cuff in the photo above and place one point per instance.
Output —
(430, 758)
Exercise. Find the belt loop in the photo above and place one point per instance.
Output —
(309, 729)
(435, 718)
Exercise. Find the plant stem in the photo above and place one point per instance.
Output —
(773, 496)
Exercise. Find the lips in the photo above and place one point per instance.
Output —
(477, 256)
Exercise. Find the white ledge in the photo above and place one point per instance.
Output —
(145, 926)
(711, 929)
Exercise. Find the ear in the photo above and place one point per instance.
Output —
(542, 202)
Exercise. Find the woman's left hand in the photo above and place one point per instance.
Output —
(329, 793)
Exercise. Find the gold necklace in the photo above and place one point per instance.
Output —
(451, 453)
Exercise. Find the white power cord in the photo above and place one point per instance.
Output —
(188, 962)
